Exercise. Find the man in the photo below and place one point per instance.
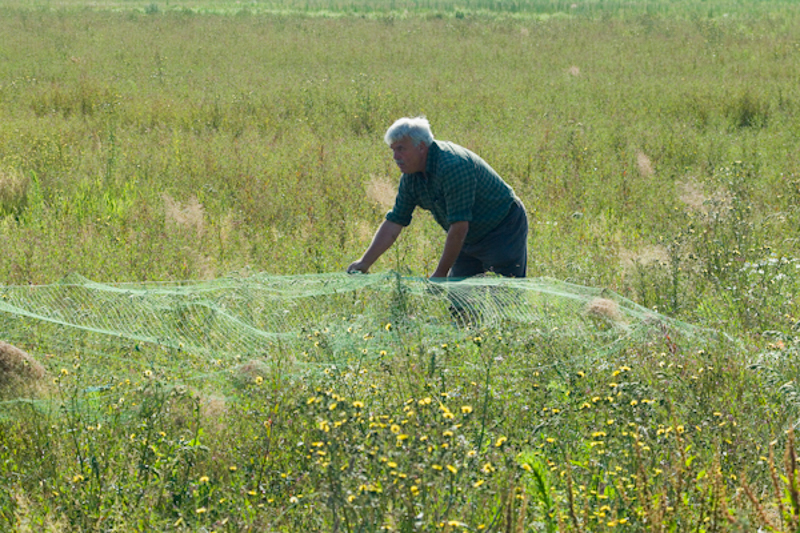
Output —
(486, 224)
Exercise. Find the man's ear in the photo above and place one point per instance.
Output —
(423, 148)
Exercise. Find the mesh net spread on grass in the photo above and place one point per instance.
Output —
(193, 330)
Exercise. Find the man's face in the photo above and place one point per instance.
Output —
(409, 158)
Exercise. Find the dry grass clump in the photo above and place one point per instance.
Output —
(644, 164)
(250, 371)
(381, 190)
(17, 368)
(646, 255)
(692, 195)
(604, 309)
(13, 191)
(190, 215)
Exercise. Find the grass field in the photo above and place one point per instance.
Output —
(655, 145)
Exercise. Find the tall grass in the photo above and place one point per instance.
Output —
(654, 145)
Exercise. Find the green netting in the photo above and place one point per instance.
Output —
(190, 331)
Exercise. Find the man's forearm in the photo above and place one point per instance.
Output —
(383, 240)
(452, 247)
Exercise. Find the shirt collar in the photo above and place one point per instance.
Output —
(433, 158)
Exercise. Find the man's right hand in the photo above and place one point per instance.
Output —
(357, 267)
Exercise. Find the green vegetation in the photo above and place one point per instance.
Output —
(655, 145)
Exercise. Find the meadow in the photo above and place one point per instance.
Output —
(654, 144)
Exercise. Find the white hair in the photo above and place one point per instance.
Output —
(418, 129)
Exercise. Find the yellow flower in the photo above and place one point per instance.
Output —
(358, 405)
(259, 380)
(466, 409)
(499, 442)
(388, 326)
(452, 469)
(200, 510)
(203, 479)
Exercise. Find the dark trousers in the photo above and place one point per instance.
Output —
(503, 251)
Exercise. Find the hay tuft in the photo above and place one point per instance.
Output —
(17, 368)
(604, 309)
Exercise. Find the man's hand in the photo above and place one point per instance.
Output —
(384, 238)
(357, 267)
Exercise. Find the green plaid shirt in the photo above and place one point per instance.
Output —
(457, 185)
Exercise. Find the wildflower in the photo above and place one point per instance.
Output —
(203, 480)
(466, 409)
(358, 405)
(200, 510)
(478, 483)
(452, 469)
(499, 442)
(259, 380)
(388, 326)
(232, 468)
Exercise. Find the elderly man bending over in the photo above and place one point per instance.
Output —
(486, 224)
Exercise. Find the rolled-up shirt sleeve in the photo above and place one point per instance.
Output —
(404, 204)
